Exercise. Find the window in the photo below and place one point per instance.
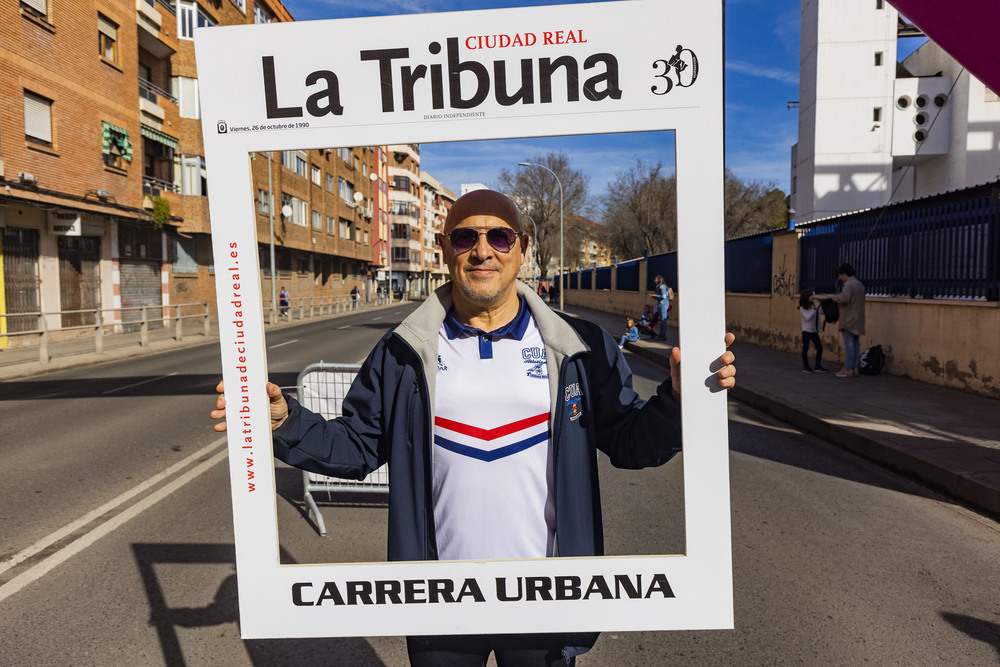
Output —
(317, 175)
(300, 165)
(185, 256)
(344, 154)
(116, 146)
(317, 220)
(366, 237)
(37, 119)
(37, 8)
(261, 14)
(364, 170)
(191, 174)
(400, 254)
(107, 38)
(264, 201)
(345, 228)
(242, 4)
(331, 225)
(189, 17)
(185, 89)
(878, 59)
(346, 190)
(329, 182)
(877, 114)
(288, 159)
(879, 4)
(400, 183)
(299, 209)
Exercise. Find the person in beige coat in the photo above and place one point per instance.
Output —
(851, 301)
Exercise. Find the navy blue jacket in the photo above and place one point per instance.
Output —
(387, 416)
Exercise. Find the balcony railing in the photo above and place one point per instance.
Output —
(154, 186)
(152, 92)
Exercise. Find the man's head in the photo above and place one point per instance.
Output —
(484, 272)
(845, 271)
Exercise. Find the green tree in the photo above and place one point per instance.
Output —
(753, 206)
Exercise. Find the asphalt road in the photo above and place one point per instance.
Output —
(116, 533)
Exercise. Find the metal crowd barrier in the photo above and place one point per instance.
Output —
(321, 388)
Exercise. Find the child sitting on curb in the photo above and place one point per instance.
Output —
(631, 333)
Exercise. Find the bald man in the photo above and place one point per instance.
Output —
(490, 409)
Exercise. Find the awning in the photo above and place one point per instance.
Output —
(156, 135)
(115, 141)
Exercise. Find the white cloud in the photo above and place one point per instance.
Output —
(773, 73)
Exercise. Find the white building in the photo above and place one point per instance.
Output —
(871, 128)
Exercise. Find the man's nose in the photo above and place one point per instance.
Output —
(482, 249)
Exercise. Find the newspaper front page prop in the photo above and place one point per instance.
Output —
(639, 65)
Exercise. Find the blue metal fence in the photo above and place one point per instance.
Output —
(602, 277)
(661, 265)
(586, 279)
(628, 276)
(748, 264)
(942, 247)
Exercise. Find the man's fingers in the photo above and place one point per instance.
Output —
(730, 338)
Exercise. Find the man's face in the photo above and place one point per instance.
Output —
(483, 276)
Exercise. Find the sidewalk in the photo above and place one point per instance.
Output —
(20, 362)
(942, 437)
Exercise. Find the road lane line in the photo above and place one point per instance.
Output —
(37, 571)
(70, 528)
(346, 326)
(136, 384)
(283, 344)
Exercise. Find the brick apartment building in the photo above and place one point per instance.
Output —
(103, 181)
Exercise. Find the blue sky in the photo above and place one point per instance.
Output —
(762, 55)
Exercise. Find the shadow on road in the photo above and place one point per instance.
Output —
(224, 609)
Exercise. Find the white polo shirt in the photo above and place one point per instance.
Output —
(492, 472)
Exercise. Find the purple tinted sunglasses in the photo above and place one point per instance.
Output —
(501, 239)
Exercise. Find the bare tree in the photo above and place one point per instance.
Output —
(753, 206)
(640, 211)
(536, 192)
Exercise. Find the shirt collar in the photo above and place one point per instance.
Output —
(515, 328)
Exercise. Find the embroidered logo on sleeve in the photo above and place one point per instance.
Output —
(574, 401)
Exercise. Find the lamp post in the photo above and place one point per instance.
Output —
(273, 315)
(559, 183)
(534, 246)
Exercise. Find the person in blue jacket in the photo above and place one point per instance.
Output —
(489, 408)
(631, 333)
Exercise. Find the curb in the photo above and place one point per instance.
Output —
(970, 487)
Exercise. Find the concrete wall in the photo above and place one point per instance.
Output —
(944, 342)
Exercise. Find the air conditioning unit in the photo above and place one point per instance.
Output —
(103, 194)
(26, 178)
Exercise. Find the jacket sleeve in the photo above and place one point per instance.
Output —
(632, 432)
(350, 446)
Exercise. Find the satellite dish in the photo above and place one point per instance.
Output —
(358, 197)
(286, 211)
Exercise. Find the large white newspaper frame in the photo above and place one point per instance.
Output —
(644, 65)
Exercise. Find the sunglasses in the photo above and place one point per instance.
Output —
(501, 239)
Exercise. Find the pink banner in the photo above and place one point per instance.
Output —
(966, 29)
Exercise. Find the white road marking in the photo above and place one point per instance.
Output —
(136, 384)
(289, 342)
(346, 326)
(36, 572)
(70, 528)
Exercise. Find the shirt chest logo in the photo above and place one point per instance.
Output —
(534, 358)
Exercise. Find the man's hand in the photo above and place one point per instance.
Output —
(279, 407)
(726, 372)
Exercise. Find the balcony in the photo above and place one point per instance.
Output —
(151, 92)
(154, 187)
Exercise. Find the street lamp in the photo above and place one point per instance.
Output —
(559, 183)
(534, 247)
